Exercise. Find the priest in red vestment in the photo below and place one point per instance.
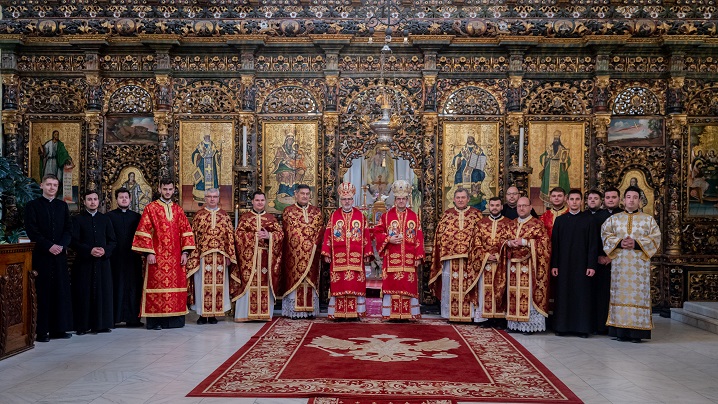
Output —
(259, 253)
(164, 234)
(347, 247)
(528, 257)
(303, 226)
(492, 232)
(453, 274)
(400, 243)
(210, 264)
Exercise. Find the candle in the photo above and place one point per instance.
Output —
(236, 215)
(521, 147)
(244, 146)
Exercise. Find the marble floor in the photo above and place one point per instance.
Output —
(679, 365)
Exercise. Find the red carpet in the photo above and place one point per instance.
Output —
(430, 362)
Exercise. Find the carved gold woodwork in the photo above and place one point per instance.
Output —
(703, 285)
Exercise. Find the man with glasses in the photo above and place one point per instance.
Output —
(347, 247)
(509, 209)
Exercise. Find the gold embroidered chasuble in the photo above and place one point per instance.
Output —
(491, 234)
(258, 261)
(215, 255)
(164, 231)
(399, 274)
(347, 241)
(528, 270)
(453, 242)
(303, 232)
(630, 302)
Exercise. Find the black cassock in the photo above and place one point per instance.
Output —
(92, 276)
(601, 282)
(574, 249)
(126, 268)
(47, 223)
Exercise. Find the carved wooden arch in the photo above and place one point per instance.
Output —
(289, 99)
(363, 106)
(560, 98)
(703, 103)
(635, 101)
(53, 96)
(637, 97)
(472, 99)
(129, 98)
(206, 96)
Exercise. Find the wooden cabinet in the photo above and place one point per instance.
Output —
(18, 302)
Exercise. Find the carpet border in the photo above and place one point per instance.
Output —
(571, 397)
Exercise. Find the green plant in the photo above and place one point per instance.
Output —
(16, 190)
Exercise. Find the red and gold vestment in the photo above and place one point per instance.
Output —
(399, 275)
(164, 231)
(258, 261)
(347, 243)
(215, 255)
(302, 236)
(453, 242)
(528, 270)
(491, 234)
(549, 217)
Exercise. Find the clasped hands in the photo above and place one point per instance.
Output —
(515, 242)
(628, 243)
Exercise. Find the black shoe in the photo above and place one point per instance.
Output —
(486, 324)
(135, 324)
(583, 335)
(560, 334)
(202, 320)
(619, 339)
(101, 331)
(529, 333)
(157, 327)
(212, 320)
(512, 331)
(62, 335)
(636, 340)
(43, 338)
(80, 332)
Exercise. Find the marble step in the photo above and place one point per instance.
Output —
(708, 309)
(696, 320)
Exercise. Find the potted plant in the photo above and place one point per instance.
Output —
(16, 190)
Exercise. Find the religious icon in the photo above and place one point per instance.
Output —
(55, 148)
(556, 153)
(702, 179)
(338, 229)
(291, 160)
(132, 179)
(394, 228)
(206, 156)
(356, 230)
(207, 159)
(637, 178)
(471, 151)
(411, 230)
(555, 162)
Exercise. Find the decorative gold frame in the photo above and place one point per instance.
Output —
(540, 136)
(455, 135)
(70, 136)
(190, 135)
(648, 197)
(145, 187)
(274, 139)
(704, 139)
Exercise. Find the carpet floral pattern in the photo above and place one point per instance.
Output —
(427, 361)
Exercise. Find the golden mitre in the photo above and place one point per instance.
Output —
(346, 190)
(401, 188)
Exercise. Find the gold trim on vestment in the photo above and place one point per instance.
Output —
(143, 234)
(140, 249)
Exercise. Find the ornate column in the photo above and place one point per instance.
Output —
(600, 128)
(428, 184)
(677, 128)
(330, 170)
(11, 121)
(10, 117)
(93, 170)
(518, 168)
(163, 119)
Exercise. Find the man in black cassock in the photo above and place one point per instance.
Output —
(512, 198)
(126, 264)
(601, 282)
(574, 257)
(47, 222)
(93, 239)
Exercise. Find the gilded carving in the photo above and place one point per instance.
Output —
(52, 96)
(561, 99)
(294, 63)
(471, 101)
(703, 285)
(205, 96)
(130, 99)
(289, 100)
